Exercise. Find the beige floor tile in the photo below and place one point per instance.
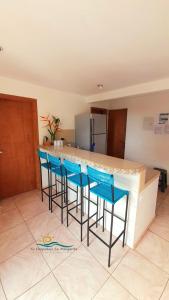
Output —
(113, 290)
(43, 224)
(100, 251)
(22, 271)
(7, 204)
(156, 250)
(14, 240)
(47, 289)
(162, 196)
(165, 295)
(10, 219)
(56, 255)
(163, 209)
(2, 295)
(162, 205)
(167, 196)
(38, 192)
(159, 201)
(32, 209)
(27, 197)
(77, 271)
(81, 275)
(160, 226)
(23, 201)
(141, 278)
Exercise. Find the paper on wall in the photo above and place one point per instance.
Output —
(166, 128)
(158, 128)
(161, 123)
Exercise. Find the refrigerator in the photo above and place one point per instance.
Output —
(91, 132)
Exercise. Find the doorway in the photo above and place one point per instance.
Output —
(116, 132)
(18, 144)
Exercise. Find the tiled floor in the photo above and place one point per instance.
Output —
(31, 273)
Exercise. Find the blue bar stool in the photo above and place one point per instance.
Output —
(43, 163)
(80, 180)
(56, 168)
(105, 190)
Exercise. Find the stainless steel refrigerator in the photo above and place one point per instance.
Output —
(91, 132)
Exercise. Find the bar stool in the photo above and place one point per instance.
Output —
(43, 163)
(80, 180)
(56, 168)
(105, 190)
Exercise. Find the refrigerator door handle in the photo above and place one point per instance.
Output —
(91, 138)
(93, 126)
(92, 143)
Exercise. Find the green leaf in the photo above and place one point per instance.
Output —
(56, 120)
(51, 133)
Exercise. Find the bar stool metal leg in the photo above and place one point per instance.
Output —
(111, 231)
(103, 215)
(88, 216)
(50, 192)
(125, 220)
(97, 212)
(50, 184)
(62, 199)
(77, 199)
(67, 215)
(56, 183)
(64, 186)
(82, 213)
(41, 181)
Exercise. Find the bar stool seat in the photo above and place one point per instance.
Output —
(105, 192)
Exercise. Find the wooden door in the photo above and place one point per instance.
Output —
(116, 132)
(18, 144)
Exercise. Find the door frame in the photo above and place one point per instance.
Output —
(35, 127)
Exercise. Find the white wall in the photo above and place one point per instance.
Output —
(64, 105)
(143, 145)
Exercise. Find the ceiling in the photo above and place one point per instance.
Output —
(74, 45)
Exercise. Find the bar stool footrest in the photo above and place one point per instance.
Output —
(114, 242)
(58, 194)
(45, 188)
(114, 215)
(79, 220)
(95, 221)
(60, 205)
(74, 206)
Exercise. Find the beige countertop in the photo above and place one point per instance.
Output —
(151, 174)
(105, 162)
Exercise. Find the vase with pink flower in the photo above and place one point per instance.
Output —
(52, 124)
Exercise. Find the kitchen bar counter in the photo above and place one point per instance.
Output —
(111, 164)
(151, 175)
(141, 182)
